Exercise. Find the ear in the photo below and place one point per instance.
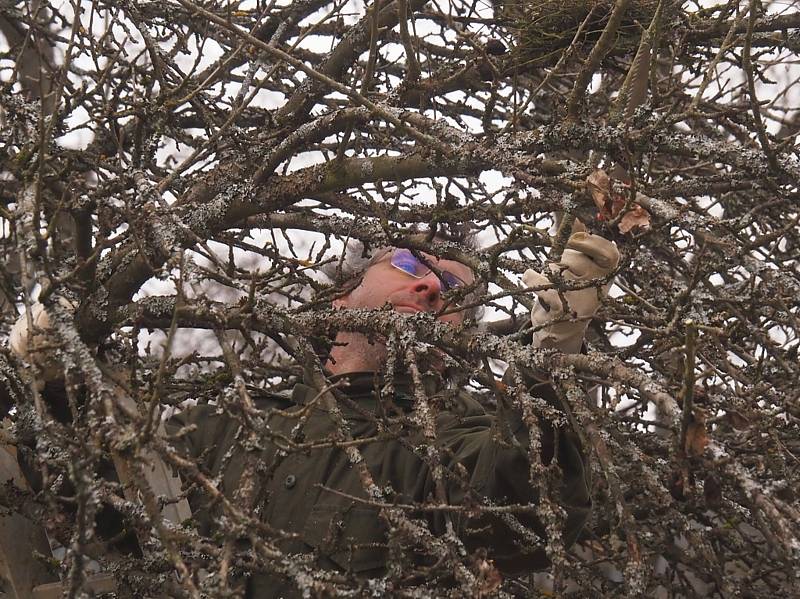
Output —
(342, 301)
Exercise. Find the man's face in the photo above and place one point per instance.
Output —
(385, 283)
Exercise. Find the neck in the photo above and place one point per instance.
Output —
(353, 352)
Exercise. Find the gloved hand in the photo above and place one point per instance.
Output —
(37, 349)
(586, 257)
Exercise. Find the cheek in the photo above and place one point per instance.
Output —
(362, 296)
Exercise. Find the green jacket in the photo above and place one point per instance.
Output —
(351, 535)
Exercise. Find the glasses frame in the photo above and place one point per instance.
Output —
(455, 304)
(428, 268)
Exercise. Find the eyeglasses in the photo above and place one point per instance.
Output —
(403, 259)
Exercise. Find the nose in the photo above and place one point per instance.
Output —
(429, 290)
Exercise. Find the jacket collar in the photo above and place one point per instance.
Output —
(371, 391)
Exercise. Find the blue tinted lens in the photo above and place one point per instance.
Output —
(450, 280)
(404, 260)
(408, 263)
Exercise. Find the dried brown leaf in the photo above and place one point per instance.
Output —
(696, 438)
(599, 184)
(676, 484)
(636, 217)
(489, 577)
(610, 204)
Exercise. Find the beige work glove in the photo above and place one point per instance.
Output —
(37, 349)
(586, 257)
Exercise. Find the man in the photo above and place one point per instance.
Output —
(357, 476)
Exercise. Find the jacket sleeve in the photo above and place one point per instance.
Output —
(499, 474)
